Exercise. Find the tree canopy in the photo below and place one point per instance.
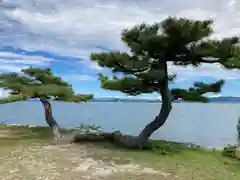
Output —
(38, 83)
(134, 86)
(179, 41)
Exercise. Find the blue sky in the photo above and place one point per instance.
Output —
(61, 34)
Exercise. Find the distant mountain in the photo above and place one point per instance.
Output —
(225, 99)
(146, 100)
(116, 99)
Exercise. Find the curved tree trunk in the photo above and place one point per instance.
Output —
(143, 138)
(133, 141)
(149, 129)
(49, 118)
(160, 119)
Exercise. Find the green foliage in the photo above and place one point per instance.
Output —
(230, 151)
(166, 147)
(13, 98)
(88, 128)
(38, 83)
(178, 41)
(79, 97)
(196, 92)
(26, 132)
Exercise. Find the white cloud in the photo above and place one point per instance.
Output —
(12, 62)
(210, 95)
(10, 57)
(74, 27)
(12, 68)
(78, 77)
(205, 70)
(91, 65)
(4, 93)
(196, 13)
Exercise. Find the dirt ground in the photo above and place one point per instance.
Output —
(70, 162)
(40, 160)
(28, 154)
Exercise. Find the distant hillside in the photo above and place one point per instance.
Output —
(125, 99)
(224, 99)
(114, 99)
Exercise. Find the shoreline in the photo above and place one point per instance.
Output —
(185, 144)
(167, 160)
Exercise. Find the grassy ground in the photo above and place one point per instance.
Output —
(26, 154)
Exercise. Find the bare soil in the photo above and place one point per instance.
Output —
(28, 154)
(30, 159)
(70, 162)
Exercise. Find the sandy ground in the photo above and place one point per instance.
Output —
(70, 162)
(4, 133)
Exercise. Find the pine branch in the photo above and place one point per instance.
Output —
(38, 83)
(197, 91)
(120, 62)
(181, 41)
(13, 98)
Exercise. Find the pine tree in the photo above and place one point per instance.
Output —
(182, 42)
(42, 84)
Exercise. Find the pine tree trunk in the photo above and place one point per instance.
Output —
(159, 120)
(149, 129)
(49, 118)
(133, 141)
(143, 139)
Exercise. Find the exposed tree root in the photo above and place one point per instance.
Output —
(116, 137)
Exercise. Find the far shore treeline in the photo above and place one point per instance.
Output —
(220, 99)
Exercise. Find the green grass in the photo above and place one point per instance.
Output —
(184, 163)
(187, 164)
(25, 133)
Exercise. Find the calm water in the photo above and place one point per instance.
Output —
(211, 125)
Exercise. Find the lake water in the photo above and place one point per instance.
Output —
(210, 125)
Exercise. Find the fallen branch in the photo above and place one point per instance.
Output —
(85, 137)
(115, 137)
(120, 139)
(94, 137)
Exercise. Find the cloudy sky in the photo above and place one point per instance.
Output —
(62, 33)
